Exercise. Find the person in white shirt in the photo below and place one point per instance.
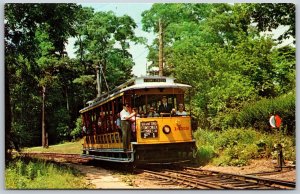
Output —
(181, 111)
(126, 126)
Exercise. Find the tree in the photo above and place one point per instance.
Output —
(178, 20)
(32, 40)
(42, 80)
(269, 16)
(100, 34)
(223, 56)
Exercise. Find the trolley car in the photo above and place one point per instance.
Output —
(165, 138)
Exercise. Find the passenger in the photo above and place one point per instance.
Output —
(152, 112)
(133, 120)
(181, 111)
(118, 121)
(142, 114)
(133, 115)
(125, 126)
(173, 112)
(164, 107)
(84, 129)
(118, 124)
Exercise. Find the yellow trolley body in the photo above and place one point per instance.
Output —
(161, 139)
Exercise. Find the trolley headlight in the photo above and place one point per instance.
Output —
(167, 129)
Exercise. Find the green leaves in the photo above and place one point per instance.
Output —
(271, 15)
(104, 39)
(257, 114)
(219, 51)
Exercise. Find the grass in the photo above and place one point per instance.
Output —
(65, 148)
(26, 173)
(237, 146)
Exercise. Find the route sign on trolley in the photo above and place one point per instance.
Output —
(149, 129)
(275, 121)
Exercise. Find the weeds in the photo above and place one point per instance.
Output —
(237, 146)
(24, 173)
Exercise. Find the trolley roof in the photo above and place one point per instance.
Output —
(135, 84)
(155, 82)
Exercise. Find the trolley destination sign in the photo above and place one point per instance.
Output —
(149, 129)
(154, 80)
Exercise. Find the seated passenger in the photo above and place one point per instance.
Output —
(181, 111)
(173, 112)
(152, 113)
(142, 114)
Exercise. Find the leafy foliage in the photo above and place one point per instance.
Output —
(32, 174)
(237, 146)
(218, 51)
(35, 58)
(271, 15)
(257, 114)
(215, 48)
(77, 131)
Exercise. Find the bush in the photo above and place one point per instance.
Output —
(77, 131)
(237, 146)
(205, 154)
(257, 114)
(205, 144)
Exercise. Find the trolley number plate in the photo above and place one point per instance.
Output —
(149, 129)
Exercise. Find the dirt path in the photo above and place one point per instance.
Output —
(101, 178)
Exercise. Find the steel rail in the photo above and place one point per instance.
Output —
(261, 180)
(217, 180)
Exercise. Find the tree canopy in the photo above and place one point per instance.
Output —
(219, 49)
(221, 52)
(40, 77)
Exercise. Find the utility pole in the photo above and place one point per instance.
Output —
(160, 55)
(98, 79)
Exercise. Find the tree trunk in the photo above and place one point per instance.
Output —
(161, 53)
(98, 80)
(7, 116)
(44, 133)
(67, 99)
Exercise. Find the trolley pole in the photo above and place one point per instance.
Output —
(160, 55)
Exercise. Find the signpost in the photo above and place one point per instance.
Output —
(275, 122)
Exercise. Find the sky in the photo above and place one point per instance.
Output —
(139, 52)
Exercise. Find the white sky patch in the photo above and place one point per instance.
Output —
(70, 48)
(275, 33)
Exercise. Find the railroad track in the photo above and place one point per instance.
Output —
(73, 158)
(186, 177)
(193, 178)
